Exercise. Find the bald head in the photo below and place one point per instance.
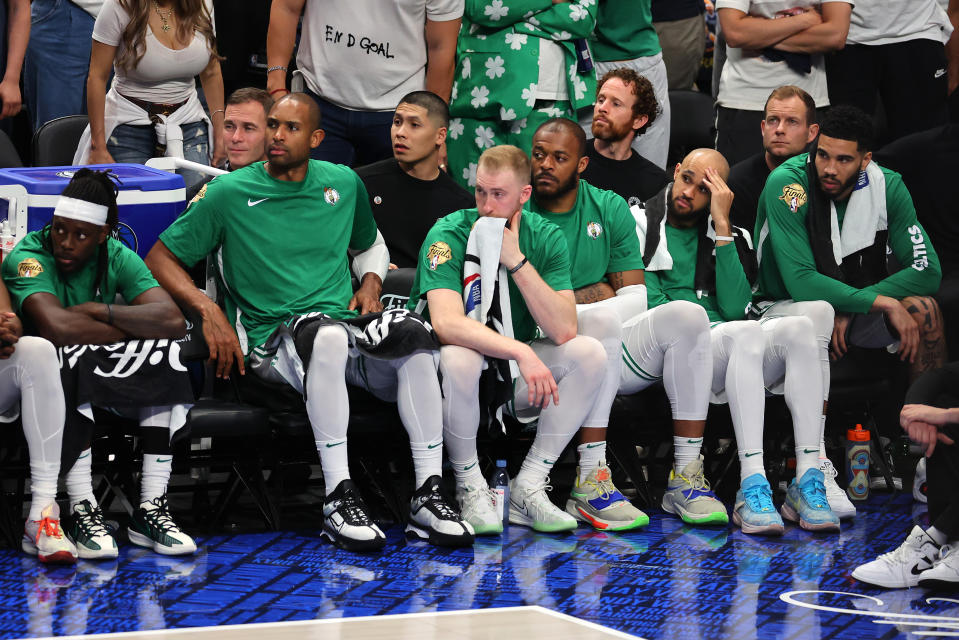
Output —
(691, 193)
(705, 158)
(312, 109)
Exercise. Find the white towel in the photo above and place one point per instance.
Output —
(865, 214)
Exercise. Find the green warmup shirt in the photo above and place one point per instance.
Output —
(787, 268)
(600, 234)
(443, 255)
(624, 31)
(281, 247)
(733, 292)
(31, 268)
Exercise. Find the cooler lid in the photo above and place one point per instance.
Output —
(52, 180)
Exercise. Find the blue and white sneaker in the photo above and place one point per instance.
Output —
(598, 502)
(754, 510)
(806, 503)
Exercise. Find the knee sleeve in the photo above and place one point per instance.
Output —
(460, 369)
(679, 319)
(327, 403)
(601, 323)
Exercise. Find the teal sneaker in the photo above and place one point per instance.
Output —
(754, 511)
(806, 503)
(688, 495)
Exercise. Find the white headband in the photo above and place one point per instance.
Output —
(81, 210)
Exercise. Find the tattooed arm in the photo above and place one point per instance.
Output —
(602, 290)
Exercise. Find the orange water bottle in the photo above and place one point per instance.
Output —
(857, 463)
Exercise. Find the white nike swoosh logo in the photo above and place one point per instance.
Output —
(253, 203)
(939, 73)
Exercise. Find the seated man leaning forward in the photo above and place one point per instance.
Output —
(64, 279)
(643, 347)
(693, 253)
(486, 309)
(824, 223)
(281, 231)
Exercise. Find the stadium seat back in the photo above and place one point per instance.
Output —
(692, 124)
(55, 143)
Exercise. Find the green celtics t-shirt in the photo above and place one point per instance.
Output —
(732, 293)
(443, 255)
(31, 268)
(280, 247)
(600, 233)
(624, 31)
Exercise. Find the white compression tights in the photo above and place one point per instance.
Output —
(670, 343)
(411, 382)
(577, 366)
(32, 375)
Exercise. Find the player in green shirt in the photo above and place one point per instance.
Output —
(64, 280)
(642, 347)
(559, 366)
(280, 231)
(695, 254)
(824, 223)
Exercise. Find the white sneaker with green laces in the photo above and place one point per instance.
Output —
(531, 507)
(478, 507)
(688, 496)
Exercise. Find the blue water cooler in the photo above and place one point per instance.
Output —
(149, 199)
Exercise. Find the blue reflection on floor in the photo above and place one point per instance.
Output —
(668, 581)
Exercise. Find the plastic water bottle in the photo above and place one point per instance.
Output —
(7, 240)
(499, 482)
(857, 463)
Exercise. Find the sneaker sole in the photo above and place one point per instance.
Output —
(885, 584)
(59, 557)
(716, 517)
(86, 553)
(515, 517)
(938, 585)
(147, 542)
(439, 539)
(349, 544)
(487, 530)
(601, 524)
(761, 530)
(792, 515)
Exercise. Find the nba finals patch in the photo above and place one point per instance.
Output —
(29, 268)
(331, 195)
(438, 253)
(594, 229)
(199, 194)
(794, 195)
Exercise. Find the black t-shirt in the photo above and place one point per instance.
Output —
(746, 180)
(669, 10)
(924, 160)
(636, 179)
(405, 207)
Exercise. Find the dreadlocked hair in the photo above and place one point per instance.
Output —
(98, 187)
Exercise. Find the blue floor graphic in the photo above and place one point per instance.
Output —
(667, 581)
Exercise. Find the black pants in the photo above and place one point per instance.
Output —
(240, 32)
(940, 388)
(908, 77)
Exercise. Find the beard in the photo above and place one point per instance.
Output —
(842, 187)
(609, 130)
(554, 190)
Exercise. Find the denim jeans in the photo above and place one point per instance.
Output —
(353, 138)
(57, 59)
(137, 144)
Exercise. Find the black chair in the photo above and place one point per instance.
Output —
(55, 142)
(9, 158)
(396, 288)
(692, 124)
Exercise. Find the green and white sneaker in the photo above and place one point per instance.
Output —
(688, 496)
(531, 507)
(86, 528)
(598, 502)
(478, 508)
(151, 526)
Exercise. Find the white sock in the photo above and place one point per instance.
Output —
(591, 455)
(806, 461)
(467, 472)
(536, 467)
(156, 475)
(43, 486)
(427, 460)
(335, 462)
(79, 480)
(685, 450)
(939, 537)
(751, 463)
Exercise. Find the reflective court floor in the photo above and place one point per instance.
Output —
(667, 581)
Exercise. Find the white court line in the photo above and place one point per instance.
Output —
(300, 623)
